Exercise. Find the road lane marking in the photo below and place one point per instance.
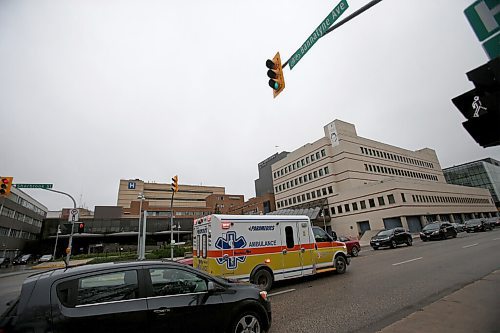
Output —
(404, 262)
(466, 246)
(496, 238)
(280, 292)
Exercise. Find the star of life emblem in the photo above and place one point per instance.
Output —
(224, 243)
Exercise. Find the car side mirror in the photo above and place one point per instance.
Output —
(213, 287)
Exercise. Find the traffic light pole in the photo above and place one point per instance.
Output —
(172, 227)
(347, 19)
(70, 242)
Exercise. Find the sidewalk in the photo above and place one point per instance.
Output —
(474, 308)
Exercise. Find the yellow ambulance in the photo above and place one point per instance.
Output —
(264, 248)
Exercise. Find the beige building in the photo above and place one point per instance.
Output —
(361, 184)
(190, 200)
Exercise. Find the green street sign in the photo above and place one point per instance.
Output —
(484, 17)
(318, 33)
(42, 186)
(492, 46)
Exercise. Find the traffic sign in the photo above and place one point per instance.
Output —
(492, 46)
(74, 215)
(318, 33)
(42, 186)
(484, 17)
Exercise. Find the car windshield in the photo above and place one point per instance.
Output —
(385, 232)
(433, 226)
(47, 256)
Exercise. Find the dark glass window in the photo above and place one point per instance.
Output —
(371, 202)
(381, 201)
(339, 209)
(289, 237)
(173, 281)
(403, 197)
(332, 209)
(110, 287)
(354, 206)
(362, 204)
(346, 207)
(390, 197)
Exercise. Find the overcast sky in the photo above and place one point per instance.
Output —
(95, 91)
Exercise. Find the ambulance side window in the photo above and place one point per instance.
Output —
(289, 237)
(198, 246)
(204, 246)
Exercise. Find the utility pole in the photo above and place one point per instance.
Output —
(175, 188)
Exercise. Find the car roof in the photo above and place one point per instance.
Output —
(76, 270)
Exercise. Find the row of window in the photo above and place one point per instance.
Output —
(300, 163)
(17, 199)
(395, 157)
(14, 233)
(302, 179)
(447, 199)
(305, 197)
(399, 172)
(347, 207)
(21, 217)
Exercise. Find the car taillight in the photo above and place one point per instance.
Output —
(263, 294)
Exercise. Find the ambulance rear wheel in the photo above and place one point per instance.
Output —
(264, 279)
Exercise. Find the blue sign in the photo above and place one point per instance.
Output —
(225, 244)
(131, 185)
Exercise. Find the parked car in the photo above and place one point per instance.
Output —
(186, 261)
(459, 227)
(352, 245)
(45, 258)
(4, 262)
(23, 259)
(438, 230)
(492, 221)
(391, 237)
(136, 297)
(477, 225)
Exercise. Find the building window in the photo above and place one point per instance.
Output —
(323, 153)
(321, 172)
(325, 169)
(371, 202)
(313, 195)
(403, 197)
(370, 167)
(318, 193)
(381, 201)
(339, 209)
(330, 190)
(317, 155)
(303, 197)
(332, 209)
(346, 207)
(390, 197)
(312, 158)
(307, 160)
(315, 174)
(324, 190)
(354, 206)
(308, 196)
(362, 204)
(366, 167)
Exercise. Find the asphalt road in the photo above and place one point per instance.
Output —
(381, 287)
(10, 285)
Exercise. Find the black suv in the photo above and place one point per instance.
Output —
(136, 297)
(438, 230)
(391, 237)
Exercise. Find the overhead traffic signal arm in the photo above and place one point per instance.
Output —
(5, 185)
(275, 74)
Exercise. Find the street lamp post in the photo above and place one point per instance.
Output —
(140, 197)
(55, 245)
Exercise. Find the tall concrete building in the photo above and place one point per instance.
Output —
(356, 184)
(484, 173)
(264, 184)
(21, 219)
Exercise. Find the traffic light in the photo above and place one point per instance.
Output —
(481, 105)
(81, 227)
(175, 185)
(275, 74)
(5, 185)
